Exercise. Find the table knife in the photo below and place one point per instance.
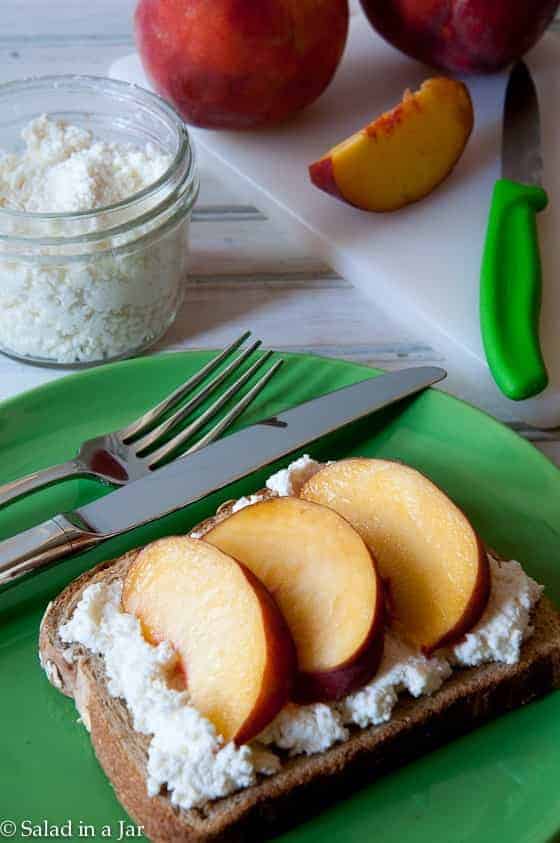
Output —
(510, 291)
(191, 478)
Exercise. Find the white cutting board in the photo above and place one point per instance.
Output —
(421, 264)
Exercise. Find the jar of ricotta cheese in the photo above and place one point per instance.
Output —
(97, 184)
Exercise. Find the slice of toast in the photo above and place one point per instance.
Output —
(304, 785)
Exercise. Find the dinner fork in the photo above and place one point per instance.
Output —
(133, 451)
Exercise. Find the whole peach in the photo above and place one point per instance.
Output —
(472, 36)
(238, 64)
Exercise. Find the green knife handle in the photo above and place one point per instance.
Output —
(510, 292)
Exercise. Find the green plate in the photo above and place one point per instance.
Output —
(500, 783)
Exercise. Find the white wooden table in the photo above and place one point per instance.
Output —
(244, 273)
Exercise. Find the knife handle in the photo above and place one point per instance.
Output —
(510, 290)
(42, 546)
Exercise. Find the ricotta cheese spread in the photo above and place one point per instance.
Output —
(289, 481)
(100, 300)
(402, 669)
(505, 624)
(307, 729)
(241, 503)
(189, 758)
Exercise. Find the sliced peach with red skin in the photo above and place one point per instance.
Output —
(323, 578)
(402, 155)
(433, 562)
(234, 647)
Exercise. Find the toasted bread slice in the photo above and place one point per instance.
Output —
(304, 785)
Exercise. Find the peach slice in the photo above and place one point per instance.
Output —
(324, 580)
(432, 561)
(404, 154)
(234, 647)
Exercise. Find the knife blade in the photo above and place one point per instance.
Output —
(195, 476)
(521, 137)
(511, 276)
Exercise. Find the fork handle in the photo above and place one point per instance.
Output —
(38, 480)
(43, 546)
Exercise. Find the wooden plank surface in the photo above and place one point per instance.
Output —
(243, 271)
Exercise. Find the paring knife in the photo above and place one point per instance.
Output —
(511, 284)
(187, 480)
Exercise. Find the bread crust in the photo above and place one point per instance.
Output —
(304, 785)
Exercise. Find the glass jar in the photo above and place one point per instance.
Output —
(83, 288)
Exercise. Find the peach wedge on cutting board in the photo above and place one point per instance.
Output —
(431, 560)
(234, 647)
(404, 154)
(323, 578)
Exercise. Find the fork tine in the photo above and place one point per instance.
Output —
(152, 437)
(152, 415)
(236, 411)
(165, 450)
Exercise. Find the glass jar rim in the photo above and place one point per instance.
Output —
(131, 92)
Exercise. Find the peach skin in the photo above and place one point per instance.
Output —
(462, 36)
(240, 64)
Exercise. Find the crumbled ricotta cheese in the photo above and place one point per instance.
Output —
(289, 481)
(65, 169)
(103, 300)
(241, 503)
(402, 669)
(308, 729)
(284, 483)
(185, 754)
(505, 624)
(305, 729)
